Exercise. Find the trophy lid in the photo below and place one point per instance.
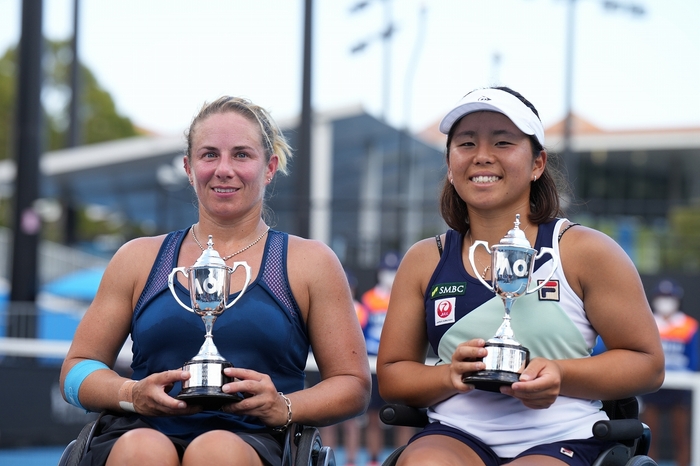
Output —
(516, 237)
(209, 257)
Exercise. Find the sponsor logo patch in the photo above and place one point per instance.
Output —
(567, 452)
(448, 289)
(550, 290)
(445, 311)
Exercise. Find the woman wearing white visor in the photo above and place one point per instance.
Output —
(497, 168)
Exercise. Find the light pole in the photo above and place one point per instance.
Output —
(70, 215)
(29, 139)
(371, 208)
(569, 156)
(303, 160)
(384, 36)
(406, 168)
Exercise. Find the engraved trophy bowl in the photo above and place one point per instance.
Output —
(208, 284)
(512, 265)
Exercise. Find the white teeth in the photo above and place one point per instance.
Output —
(220, 190)
(484, 179)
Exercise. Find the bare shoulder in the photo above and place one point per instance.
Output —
(142, 248)
(426, 248)
(582, 241)
(590, 257)
(311, 261)
(303, 253)
(315, 275)
(135, 258)
(419, 262)
(425, 252)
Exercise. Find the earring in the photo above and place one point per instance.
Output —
(451, 181)
(534, 178)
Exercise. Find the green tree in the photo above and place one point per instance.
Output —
(7, 101)
(100, 120)
(685, 241)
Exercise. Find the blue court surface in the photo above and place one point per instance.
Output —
(36, 456)
(49, 456)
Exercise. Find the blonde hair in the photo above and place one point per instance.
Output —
(273, 139)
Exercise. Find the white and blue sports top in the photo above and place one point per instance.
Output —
(551, 323)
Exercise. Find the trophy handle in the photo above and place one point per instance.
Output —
(171, 285)
(542, 252)
(245, 285)
(471, 261)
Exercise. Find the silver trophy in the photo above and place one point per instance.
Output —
(208, 283)
(512, 263)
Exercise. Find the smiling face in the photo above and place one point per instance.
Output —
(228, 167)
(490, 162)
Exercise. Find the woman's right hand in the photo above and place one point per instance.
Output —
(467, 358)
(150, 395)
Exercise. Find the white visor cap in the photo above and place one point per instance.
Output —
(496, 100)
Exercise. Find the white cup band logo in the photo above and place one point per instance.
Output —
(503, 267)
(210, 285)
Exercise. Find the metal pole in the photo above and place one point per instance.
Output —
(303, 156)
(29, 137)
(386, 73)
(569, 157)
(74, 116)
(70, 216)
(405, 159)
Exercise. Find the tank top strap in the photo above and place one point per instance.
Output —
(274, 272)
(165, 262)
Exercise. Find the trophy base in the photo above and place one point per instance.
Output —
(491, 381)
(209, 398)
(504, 364)
(203, 388)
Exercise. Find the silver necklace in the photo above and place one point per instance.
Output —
(194, 235)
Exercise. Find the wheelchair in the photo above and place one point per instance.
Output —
(302, 446)
(624, 427)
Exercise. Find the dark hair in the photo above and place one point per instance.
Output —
(545, 201)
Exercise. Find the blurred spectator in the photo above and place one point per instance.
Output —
(376, 301)
(350, 429)
(679, 335)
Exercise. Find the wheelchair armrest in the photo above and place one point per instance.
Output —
(402, 415)
(618, 430)
(645, 441)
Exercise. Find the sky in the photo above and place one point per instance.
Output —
(162, 59)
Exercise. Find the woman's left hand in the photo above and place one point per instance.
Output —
(539, 384)
(261, 397)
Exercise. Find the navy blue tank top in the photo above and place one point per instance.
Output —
(263, 331)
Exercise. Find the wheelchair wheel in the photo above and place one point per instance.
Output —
(76, 448)
(326, 457)
(393, 457)
(641, 460)
(308, 448)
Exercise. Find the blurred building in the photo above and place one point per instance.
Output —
(642, 187)
(373, 187)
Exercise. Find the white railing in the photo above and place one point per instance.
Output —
(59, 348)
(689, 381)
(55, 260)
(29, 347)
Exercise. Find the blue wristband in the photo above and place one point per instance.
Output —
(75, 377)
